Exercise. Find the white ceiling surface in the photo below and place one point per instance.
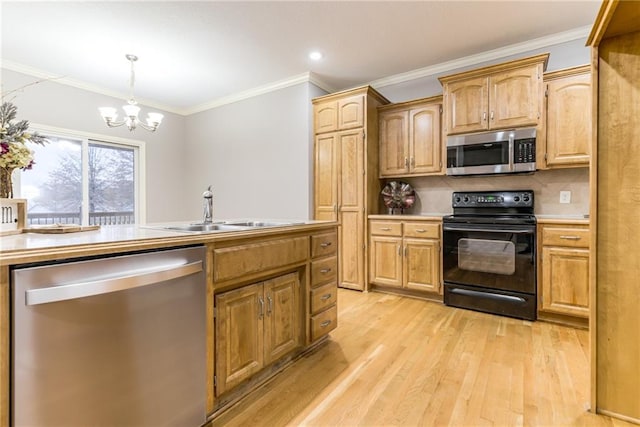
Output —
(194, 53)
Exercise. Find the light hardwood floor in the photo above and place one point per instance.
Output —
(401, 361)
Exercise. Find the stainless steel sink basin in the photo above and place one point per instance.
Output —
(204, 228)
(261, 223)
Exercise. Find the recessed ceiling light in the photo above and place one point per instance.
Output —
(315, 55)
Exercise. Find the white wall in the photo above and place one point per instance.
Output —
(257, 155)
(54, 104)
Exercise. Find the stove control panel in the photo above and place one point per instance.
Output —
(501, 199)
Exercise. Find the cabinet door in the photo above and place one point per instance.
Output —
(422, 265)
(239, 335)
(282, 318)
(569, 121)
(565, 281)
(467, 103)
(514, 98)
(351, 210)
(386, 261)
(326, 177)
(351, 112)
(394, 142)
(425, 140)
(325, 117)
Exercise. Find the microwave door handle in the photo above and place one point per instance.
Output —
(512, 160)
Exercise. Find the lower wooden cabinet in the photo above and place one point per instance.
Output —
(255, 326)
(563, 273)
(323, 311)
(405, 254)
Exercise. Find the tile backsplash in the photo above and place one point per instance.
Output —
(434, 192)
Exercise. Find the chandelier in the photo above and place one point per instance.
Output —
(131, 109)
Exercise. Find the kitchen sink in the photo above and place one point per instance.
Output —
(261, 223)
(204, 228)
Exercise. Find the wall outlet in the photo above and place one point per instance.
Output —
(565, 197)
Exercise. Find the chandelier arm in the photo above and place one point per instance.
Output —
(147, 127)
(113, 124)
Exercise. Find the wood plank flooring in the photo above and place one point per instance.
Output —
(407, 362)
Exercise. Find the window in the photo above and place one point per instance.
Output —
(80, 179)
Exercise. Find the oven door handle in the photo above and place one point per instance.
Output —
(489, 295)
(488, 230)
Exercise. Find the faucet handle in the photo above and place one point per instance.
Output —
(208, 193)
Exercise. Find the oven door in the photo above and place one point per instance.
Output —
(491, 268)
(492, 256)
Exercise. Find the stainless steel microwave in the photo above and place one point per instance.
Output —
(488, 153)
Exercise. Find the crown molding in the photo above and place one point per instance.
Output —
(43, 75)
(307, 77)
(490, 55)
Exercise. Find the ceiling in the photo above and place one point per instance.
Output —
(194, 53)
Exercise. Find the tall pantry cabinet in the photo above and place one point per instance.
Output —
(346, 185)
(615, 202)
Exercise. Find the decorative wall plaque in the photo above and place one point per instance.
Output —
(13, 214)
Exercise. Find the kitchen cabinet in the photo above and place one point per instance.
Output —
(567, 139)
(563, 270)
(406, 254)
(255, 326)
(410, 138)
(346, 184)
(323, 311)
(500, 96)
(614, 177)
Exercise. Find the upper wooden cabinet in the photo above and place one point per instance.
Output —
(339, 114)
(346, 184)
(567, 141)
(410, 138)
(495, 97)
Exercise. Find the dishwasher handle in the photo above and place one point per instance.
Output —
(128, 280)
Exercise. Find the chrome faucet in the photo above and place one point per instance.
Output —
(208, 206)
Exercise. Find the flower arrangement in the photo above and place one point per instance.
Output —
(14, 152)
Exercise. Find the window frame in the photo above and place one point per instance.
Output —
(139, 153)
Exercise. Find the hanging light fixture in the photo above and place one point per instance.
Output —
(131, 109)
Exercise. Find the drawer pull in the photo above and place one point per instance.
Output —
(325, 245)
(385, 229)
(325, 297)
(570, 237)
(325, 270)
(325, 323)
(420, 230)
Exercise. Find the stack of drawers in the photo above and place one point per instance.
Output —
(324, 273)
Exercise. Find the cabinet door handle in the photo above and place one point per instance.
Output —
(325, 323)
(385, 229)
(413, 162)
(484, 116)
(406, 162)
(325, 297)
(270, 305)
(325, 270)
(260, 308)
(571, 237)
(491, 115)
(399, 250)
(325, 244)
(405, 251)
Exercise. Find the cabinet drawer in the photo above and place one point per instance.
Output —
(324, 270)
(237, 261)
(323, 323)
(386, 228)
(323, 297)
(324, 244)
(566, 236)
(422, 229)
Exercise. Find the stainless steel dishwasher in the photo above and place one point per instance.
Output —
(117, 341)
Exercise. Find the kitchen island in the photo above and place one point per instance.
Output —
(298, 260)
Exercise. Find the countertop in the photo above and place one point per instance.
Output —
(32, 247)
